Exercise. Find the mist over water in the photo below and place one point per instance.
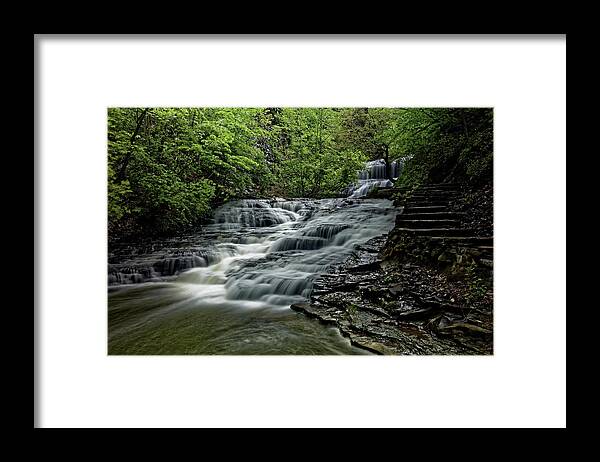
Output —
(228, 288)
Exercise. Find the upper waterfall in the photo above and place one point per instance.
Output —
(375, 175)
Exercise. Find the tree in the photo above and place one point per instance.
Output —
(169, 167)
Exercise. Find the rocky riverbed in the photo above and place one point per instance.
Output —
(409, 293)
(400, 308)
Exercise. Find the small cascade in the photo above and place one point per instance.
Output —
(236, 227)
(157, 267)
(267, 251)
(309, 238)
(292, 206)
(227, 286)
(396, 169)
(256, 213)
(374, 175)
(281, 287)
(294, 258)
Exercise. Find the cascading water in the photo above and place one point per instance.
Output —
(228, 288)
(373, 176)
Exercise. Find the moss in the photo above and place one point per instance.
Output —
(477, 284)
(352, 310)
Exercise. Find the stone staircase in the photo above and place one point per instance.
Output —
(384, 299)
(427, 212)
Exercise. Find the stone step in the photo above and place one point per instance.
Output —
(426, 224)
(433, 197)
(434, 194)
(432, 215)
(436, 190)
(426, 208)
(437, 232)
(485, 250)
(419, 203)
(444, 189)
(430, 198)
(466, 240)
(440, 186)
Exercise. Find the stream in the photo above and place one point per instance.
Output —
(227, 289)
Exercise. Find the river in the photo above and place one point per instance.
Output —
(227, 289)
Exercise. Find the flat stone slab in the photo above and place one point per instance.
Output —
(431, 215)
(437, 232)
(391, 311)
(426, 223)
(425, 208)
(480, 240)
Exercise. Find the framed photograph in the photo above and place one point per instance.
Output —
(222, 243)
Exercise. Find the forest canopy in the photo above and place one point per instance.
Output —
(169, 167)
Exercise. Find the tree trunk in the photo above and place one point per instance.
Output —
(464, 121)
(386, 156)
(121, 174)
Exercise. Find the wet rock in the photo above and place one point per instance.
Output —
(373, 292)
(414, 314)
(463, 328)
(396, 307)
(337, 286)
(364, 267)
(486, 262)
(397, 289)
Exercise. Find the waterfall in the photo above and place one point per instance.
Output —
(240, 224)
(374, 175)
(257, 250)
(397, 167)
(256, 213)
(228, 286)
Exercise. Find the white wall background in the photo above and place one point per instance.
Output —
(523, 384)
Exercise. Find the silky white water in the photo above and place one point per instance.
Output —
(227, 289)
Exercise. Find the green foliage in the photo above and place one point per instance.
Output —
(168, 167)
(478, 286)
(118, 196)
(436, 144)
(352, 310)
(310, 160)
(446, 145)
